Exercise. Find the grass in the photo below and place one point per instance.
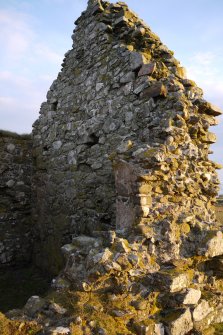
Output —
(218, 329)
(100, 308)
(219, 213)
(6, 133)
(9, 327)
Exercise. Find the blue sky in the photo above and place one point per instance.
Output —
(35, 34)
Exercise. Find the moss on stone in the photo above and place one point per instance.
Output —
(185, 228)
(171, 315)
(218, 329)
(9, 327)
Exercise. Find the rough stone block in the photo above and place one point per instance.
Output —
(201, 311)
(173, 282)
(125, 178)
(125, 213)
(34, 305)
(189, 296)
(147, 69)
(130, 76)
(213, 245)
(155, 90)
(137, 60)
(181, 325)
(209, 138)
(208, 108)
(60, 331)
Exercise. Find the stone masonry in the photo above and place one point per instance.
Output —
(122, 104)
(15, 198)
(123, 183)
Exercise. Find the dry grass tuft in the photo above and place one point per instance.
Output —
(9, 327)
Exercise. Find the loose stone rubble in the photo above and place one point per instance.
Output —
(123, 183)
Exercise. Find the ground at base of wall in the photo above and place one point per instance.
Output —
(219, 212)
(18, 284)
(85, 313)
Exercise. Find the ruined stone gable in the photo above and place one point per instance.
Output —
(121, 96)
(123, 186)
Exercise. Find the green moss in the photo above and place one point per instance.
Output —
(207, 295)
(99, 307)
(219, 213)
(172, 315)
(104, 77)
(77, 71)
(76, 330)
(9, 327)
(185, 228)
(218, 329)
(150, 153)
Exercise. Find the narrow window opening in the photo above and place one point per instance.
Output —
(54, 106)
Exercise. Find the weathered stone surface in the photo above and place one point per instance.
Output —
(60, 331)
(127, 78)
(213, 245)
(173, 282)
(201, 311)
(136, 60)
(209, 138)
(181, 325)
(147, 69)
(191, 296)
(179, 282)
(159, 329)
(57, 308)
(34, 305)
(155, 90)
(208, 108)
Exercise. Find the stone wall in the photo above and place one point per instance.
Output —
(124, 98)
(122, 176)
(15, 198)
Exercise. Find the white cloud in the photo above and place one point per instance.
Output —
(15, 115)
(48, 54)
(15, 33)
(6, 101)
(19, 106)
(206, 68)
(20, 40)
(13, 80)
(204, 58)
(46, 77)
(24, 59)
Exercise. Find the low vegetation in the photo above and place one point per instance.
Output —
(219, 209)
(9, 327)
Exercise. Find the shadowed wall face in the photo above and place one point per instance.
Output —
(15, 198)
